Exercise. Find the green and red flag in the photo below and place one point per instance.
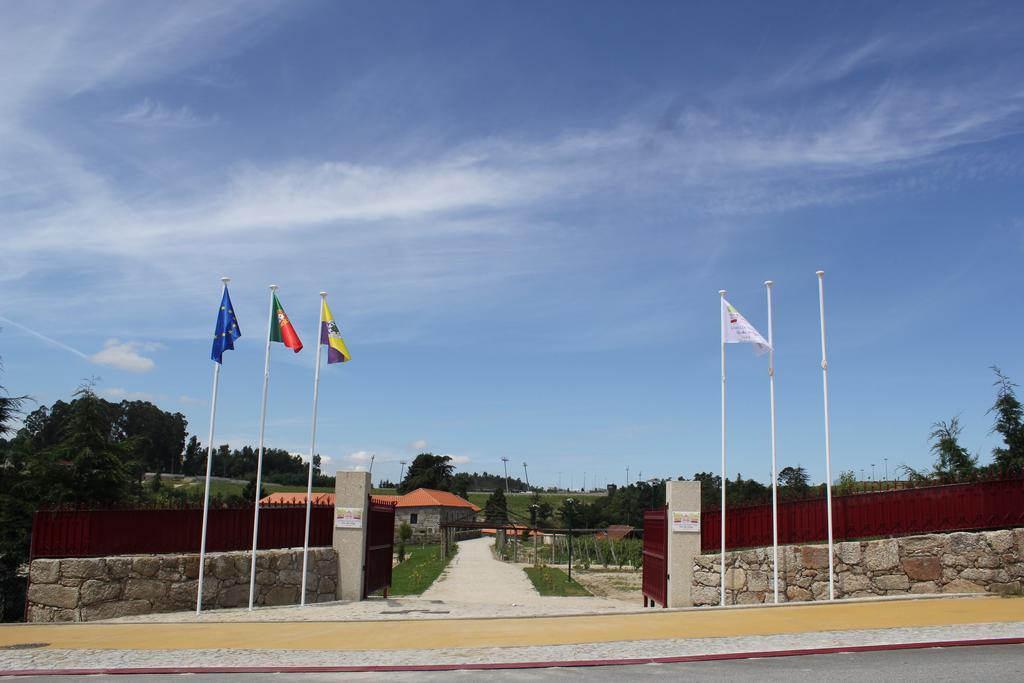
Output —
(283, 331)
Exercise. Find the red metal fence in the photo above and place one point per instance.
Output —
(94, 533)
(955, 507)
(655, 568)
(380, 538)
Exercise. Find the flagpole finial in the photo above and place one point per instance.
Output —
(721, 292)
(225, 280)
(820, 273)
(273, 288)
(323, 294)
(768, 283)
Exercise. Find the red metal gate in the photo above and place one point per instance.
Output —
(655, 581)
(380, 541)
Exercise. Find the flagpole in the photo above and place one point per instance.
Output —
(721, 294)
(828, 454)
(775, 476)
(259, 457)
(312, 447)
(209, 462)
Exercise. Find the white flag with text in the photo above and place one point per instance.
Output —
(736, 330)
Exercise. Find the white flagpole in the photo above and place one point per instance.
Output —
(828, 454)
(209, 462)
(775, 476)
(259, 456)
(721, 294)
(312, 448)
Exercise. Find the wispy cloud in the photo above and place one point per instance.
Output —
(470, 218)
(154, 114)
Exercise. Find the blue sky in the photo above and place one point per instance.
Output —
(523, 213)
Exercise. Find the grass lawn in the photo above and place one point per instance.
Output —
(552, 581)
(227, 488)
(421, 568)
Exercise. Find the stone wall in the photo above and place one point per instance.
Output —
(988, 561)
(427, 528)
(86, 589)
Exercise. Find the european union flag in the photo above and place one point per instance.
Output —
(227, 329)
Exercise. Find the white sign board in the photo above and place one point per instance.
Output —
(686, 521)
(348, 518)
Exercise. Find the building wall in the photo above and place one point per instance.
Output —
(427, 528)
(962, 562)
(91, 588)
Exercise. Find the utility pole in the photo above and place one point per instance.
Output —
(372, 458)
(886, 468)
(401, 472)
(505, 463)
(872, 471)
(527, 475)
(569, 506)
(584, 480)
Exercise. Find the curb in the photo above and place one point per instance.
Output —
(511, 665)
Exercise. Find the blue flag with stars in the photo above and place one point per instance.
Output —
(227, 329)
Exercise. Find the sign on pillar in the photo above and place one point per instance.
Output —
(351, 506)
(683, 499)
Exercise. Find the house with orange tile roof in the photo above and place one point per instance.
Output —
(423, 509)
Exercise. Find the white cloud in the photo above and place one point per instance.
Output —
(359, 456)
(122, 394)
(191, 400)
(458, 459)
(125, 355)
(154, 114)
(419, 445)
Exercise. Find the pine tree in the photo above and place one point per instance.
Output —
(953, 462)
(496, 508)
(1009, 424)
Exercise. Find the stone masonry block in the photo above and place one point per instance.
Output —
(52, 595)
(44, 571)
(881, 555)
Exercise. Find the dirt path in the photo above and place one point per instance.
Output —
(474, 575)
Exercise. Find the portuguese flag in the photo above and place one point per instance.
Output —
(283, 331)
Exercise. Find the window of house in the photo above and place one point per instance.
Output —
(413, 518)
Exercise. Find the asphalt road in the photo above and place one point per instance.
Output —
(985, 663)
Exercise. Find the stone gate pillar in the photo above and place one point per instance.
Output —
(683, 539)
(351, 510)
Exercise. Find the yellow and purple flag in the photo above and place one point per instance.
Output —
(330, 336)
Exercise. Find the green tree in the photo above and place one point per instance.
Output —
(249, 492)
(194, 460)
(1009, 424)
(952, 461)
(847, 483)
(87, 466)
(795, 482)
(496, 508)
(404, 534)
(157, 437)
(428, 471)
(460, 484)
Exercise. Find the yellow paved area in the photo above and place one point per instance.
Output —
(462, 633)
